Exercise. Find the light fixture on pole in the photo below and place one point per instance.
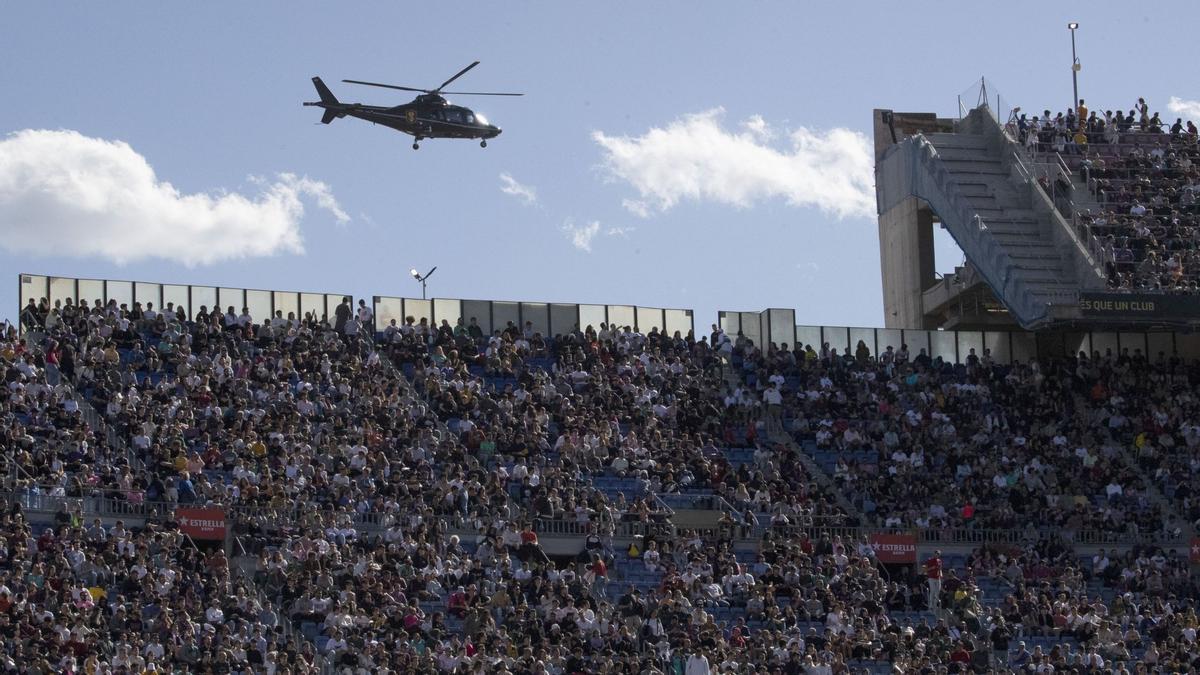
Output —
(1074, 65)
(422, 278)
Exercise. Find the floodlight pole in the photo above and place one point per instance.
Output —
(1074, 66)
(422, 278)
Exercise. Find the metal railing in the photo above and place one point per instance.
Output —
(96, 505)
(979, 536)
(621, 528)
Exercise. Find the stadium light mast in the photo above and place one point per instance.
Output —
(1074, 65)
(422, 278)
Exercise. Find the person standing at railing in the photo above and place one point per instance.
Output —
(933, 574)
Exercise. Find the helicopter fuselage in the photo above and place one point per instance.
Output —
(419, 119)
(429, 115)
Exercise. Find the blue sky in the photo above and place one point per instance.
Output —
(209, 95)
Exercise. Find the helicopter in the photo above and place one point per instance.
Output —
(429, 115)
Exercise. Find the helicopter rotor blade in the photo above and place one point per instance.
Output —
(456, 76)
(388, 86)
(478, 93)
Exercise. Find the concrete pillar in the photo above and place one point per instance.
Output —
(906, 262)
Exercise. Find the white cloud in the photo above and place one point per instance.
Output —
(695, 158)
(1185, 108)
(510, 186)
(581, 236)
(66, 194)
(808, 270)
(637, 207)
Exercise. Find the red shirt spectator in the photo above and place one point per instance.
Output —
(933, 567)
(960, 655)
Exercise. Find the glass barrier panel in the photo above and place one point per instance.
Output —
(231, 297)
(1134, 342)
(837, 337)
(259, 303)
(1074, 343)
(1160, 343)
(448, 310)
(332, 300)
(287, 305)
(563, 319)
(481, 311)
(505, 314)
(205, 297)
(730, 322)
(678, 321)
(312, 303)
(782, 324)
(120, 291)
(592, 315)
(419, 309)
(649, 318)
(945, 345)
(387, 310)
(34, 287)
(537, 314)
(916, 341)
(752, 327)
(866, 336)
(888, 337)
(968, 340)
(1024, 347)
(808, 336)
(1187, 345)
(62, 289)
(621, 316)
(1000, 346)
(176, 296)
(147, 294)
(1106, 344)
(90, 290)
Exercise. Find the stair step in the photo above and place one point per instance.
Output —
(1010, 232)
(957, 140)
(1027, 255)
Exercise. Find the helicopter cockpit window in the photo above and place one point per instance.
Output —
(470, 119)
(454, 116)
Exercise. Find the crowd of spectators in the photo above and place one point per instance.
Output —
(77, 596)
(1144, 174)
(387, 491)
(657, 410)
(917, 442)
(1107, 612)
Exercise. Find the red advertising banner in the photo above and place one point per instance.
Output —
(894, 548)
(205, 523)
(1194, 556)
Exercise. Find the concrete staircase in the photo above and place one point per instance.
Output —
(988, 197)
(1007, 214)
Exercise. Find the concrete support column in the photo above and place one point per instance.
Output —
(906, 261)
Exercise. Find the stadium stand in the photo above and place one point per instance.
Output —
(386, 500)
(232, 481)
